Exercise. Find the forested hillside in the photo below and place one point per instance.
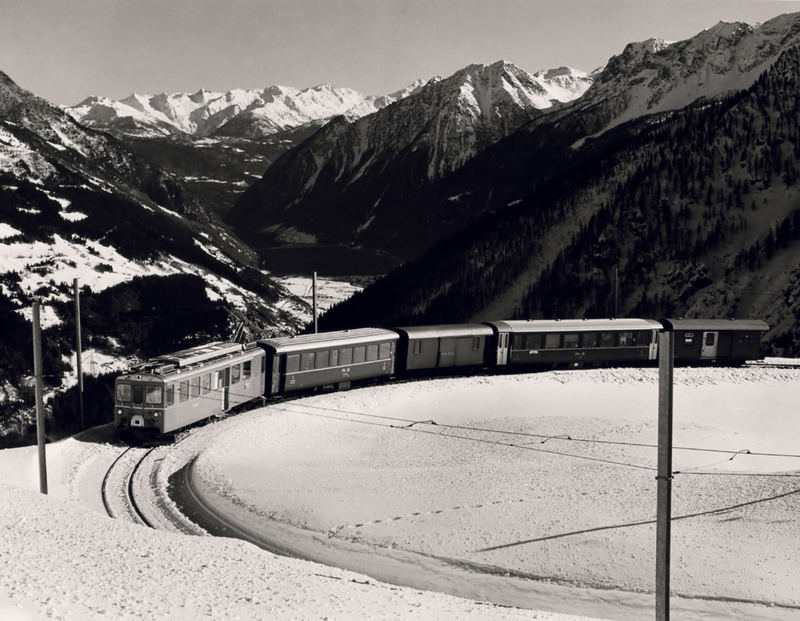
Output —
(698, 210)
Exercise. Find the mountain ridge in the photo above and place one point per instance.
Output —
(347, 183)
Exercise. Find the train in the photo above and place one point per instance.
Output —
(169, 392)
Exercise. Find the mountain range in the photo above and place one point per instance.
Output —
(378, 182)
(359, 182)
(687, 193)
(669, 175)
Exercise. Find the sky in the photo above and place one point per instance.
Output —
(65, 51)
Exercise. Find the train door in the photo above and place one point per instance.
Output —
(222, 384)
(447, 352)
(709, 347)
(502, 348)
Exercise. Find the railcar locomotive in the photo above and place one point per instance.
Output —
(169, 392)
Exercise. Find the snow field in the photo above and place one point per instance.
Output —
(356, 467)
(369, 485)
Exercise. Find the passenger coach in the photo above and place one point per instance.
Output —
(731, 341)
(437, 347)
(328, 359)
(575, 341)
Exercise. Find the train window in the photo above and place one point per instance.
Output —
(517, 341)
(372, 352)
(625, 339)
(323, 357)
(307, 361)
(534, 341)
(359, 353)
(262, 360)
(170, 394)
(205, 384)
(385, 351)
(236, 373)
(247, 369)
(124, 392)
(570, 341)
(153, 395)
(589, 339)
(710, 337)
(293, 363)
(608, 339)
(138, 393)
(345, 355)
(194, 387)
(552, 341)
(476, 343)
(334, 357)
(183, 390)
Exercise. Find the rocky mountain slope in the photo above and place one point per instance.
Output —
(695, 204)
(359, 182)
(159, 270)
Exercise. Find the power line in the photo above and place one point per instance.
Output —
(479, 440)
(547, 437)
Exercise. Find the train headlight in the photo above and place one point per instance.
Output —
(156, 414)
(119, 412)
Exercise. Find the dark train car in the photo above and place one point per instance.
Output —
(438, 347)
(575, 341)
(175, 390)
(716, 340)
(328, 359)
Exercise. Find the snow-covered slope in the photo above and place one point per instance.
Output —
(250, 113)
(76, 203)
(656, 76)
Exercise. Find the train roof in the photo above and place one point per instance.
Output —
(188, 359)
(200, 353)
(306, 342)
(448, 330)
(575, 325)
(750, 325)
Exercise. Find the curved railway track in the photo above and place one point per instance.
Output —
(130, 491)
(118, 486)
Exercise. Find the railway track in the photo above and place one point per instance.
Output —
(131, 491)
(118, 486)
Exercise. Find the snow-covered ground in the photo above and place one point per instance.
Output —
(328, 292)
(533, 491)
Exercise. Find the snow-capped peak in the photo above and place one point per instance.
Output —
(655, 75)
(273, 108)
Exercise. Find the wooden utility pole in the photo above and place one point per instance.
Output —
(616, 291)
(314, 300)
(666, 355)
(38, 379)
(78, 354)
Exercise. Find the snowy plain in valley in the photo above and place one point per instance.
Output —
(533, 491)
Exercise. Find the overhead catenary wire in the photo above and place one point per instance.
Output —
(564, 437)
(469, 439)
(545, 437)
